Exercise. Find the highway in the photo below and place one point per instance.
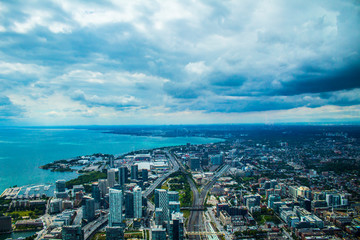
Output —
(93, 226)
(195, 223)
(175, 168)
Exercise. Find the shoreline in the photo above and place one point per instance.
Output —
(98, 154)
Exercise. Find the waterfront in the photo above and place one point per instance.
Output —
(23, 150)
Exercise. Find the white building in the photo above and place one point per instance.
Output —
(116, 205)
(137, 202)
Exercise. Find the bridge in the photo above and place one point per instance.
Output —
(194, 208)
(95, 225)
(203, 233)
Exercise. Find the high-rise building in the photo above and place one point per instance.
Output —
(111, 161)
(174, 207)
(129, 204)
(114, 233)
(123, 175)
(111, 177)
(55, 205)
(116, 206)
(103, 187)
(95, 192)
(176, 229)
(158, 234)
(137, 202)
(145, 175)
(217, 159)
(161, 201)
(60, 185)
(72, 233)
(173, 196)
(134, 172)
(195, 163)
(158, 216)
(88, 208)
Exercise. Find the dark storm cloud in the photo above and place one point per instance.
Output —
(211, 56)
(319, 80)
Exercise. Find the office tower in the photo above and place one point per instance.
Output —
(173, 196)
(60, 185)
(111, 178)
(158, 234)
(176, 229)
(88, 208)
(103, 187)
(174, 207)
(158, 216)
(111, 161)
(272, 199)
(123, 175)
(72, 233)
(95, 192)
(195, 164)
(116, 205)
(114, 233)
(55, 205)
(134, 172)
(217, 159)
(161, 201)
(129, 204)
(145, 175)
(137, 202)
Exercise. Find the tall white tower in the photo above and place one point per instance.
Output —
(137, 202)
(116, 205)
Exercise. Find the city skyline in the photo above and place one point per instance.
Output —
(179, 62)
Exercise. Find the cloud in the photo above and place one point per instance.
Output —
(8, 110)
(136, 58)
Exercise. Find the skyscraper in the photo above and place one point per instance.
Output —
(88, 208)
(60, 185)
(129, 204)
(134, 172)
(111, 161)
(95, 192)
(158, 234)
(103, 187)
(173, 196)
(161, 201)
(176, 229)
(72, 233)
(195, 163)
(116, 205)
(145, 175)
(123, 175)
(111, 177)
(174, 207)
(137, 202)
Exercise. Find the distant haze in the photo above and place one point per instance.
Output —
(179, 62)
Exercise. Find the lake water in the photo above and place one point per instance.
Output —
(23, 150)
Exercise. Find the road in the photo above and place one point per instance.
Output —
(93, 226)
(174, 168)
(196, 221)
(47, 220)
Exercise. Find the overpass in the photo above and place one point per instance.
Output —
(94, 226)
(194, 208)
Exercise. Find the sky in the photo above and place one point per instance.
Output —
(122, 62)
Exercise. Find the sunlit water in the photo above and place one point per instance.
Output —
(23, 150)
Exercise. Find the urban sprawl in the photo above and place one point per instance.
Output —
(275, 187)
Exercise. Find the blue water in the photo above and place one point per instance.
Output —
(16, 235)
(23, 150)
